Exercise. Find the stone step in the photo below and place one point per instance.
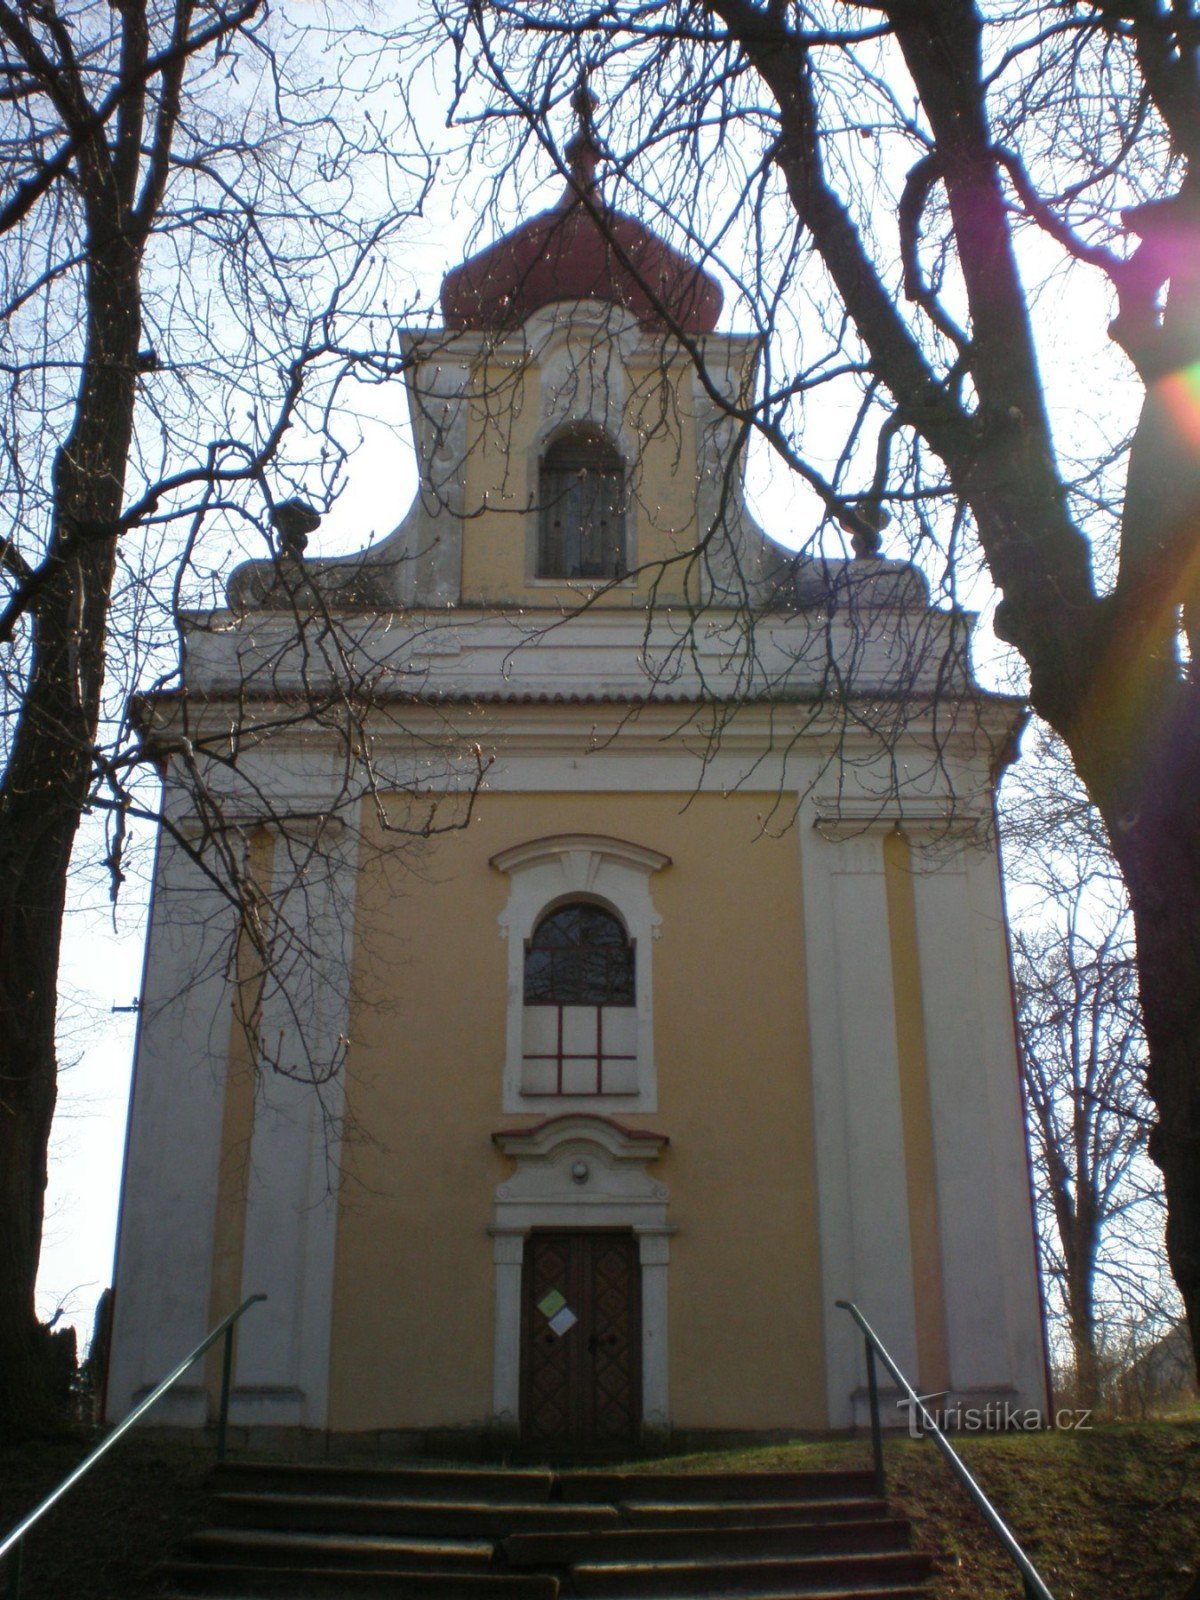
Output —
(857, 1591)
(272, 1584)
(747, 1539)
(693, 1487)
(271, 1548)
(211, 1581)
(430, 1518)
(716, 1513)
(803, 1575)
(325, 1532)
(438, 1484)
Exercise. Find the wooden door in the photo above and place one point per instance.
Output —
(581, 1378)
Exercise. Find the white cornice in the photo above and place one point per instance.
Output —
(589, 726)
(580, 319)
(850, 816)
(604, 653)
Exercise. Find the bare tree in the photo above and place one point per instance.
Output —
(1083, 1059)
(196, 214)
(886, 186)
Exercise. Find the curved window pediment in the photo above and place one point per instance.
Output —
(581, 500)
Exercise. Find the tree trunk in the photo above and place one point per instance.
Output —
(45, 789)
(1141, 763)
(1080, 1232)
(1167, 912)
(33, 866)
(1081, 1316)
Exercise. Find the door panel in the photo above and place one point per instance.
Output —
(581, 1341)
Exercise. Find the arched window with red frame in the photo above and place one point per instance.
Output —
(580, 1018)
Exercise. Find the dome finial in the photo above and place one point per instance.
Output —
(582, 248)
(583, 153)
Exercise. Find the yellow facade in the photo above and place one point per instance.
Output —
(505, 429)
(815, 1098)
(413, 1326)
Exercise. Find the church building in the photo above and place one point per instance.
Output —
(617, 975)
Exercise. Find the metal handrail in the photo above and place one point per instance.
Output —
(1035, 1588)
(13, 1545)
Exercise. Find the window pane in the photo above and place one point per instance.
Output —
(579, 955)
(580, 1032)
(540, 1077)
(581, 1077)
(559, 931)
(618, 1077)
(539, 1034)
(539, 986)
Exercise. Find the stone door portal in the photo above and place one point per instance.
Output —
(581, 1342)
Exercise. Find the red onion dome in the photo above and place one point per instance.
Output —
(581, 250)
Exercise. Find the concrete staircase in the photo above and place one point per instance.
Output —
(414, 1533)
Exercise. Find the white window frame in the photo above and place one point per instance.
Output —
(545, 874)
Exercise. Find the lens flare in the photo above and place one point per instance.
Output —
(1181, 392)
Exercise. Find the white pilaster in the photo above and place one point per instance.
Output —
(291, 1204)
(866, 1253)
(654, 1252)
(989, 1270)
(1015, 1260)
(168, 1208)
(508, 1253)
(955, 1044)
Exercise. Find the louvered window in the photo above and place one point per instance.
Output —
(581, 493)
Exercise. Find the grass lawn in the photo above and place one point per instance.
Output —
(103, 1540)
(1108, 1514)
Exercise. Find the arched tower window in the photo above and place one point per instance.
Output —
(580, 1033)
(581, 495)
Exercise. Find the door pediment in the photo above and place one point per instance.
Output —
(581, 1160)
